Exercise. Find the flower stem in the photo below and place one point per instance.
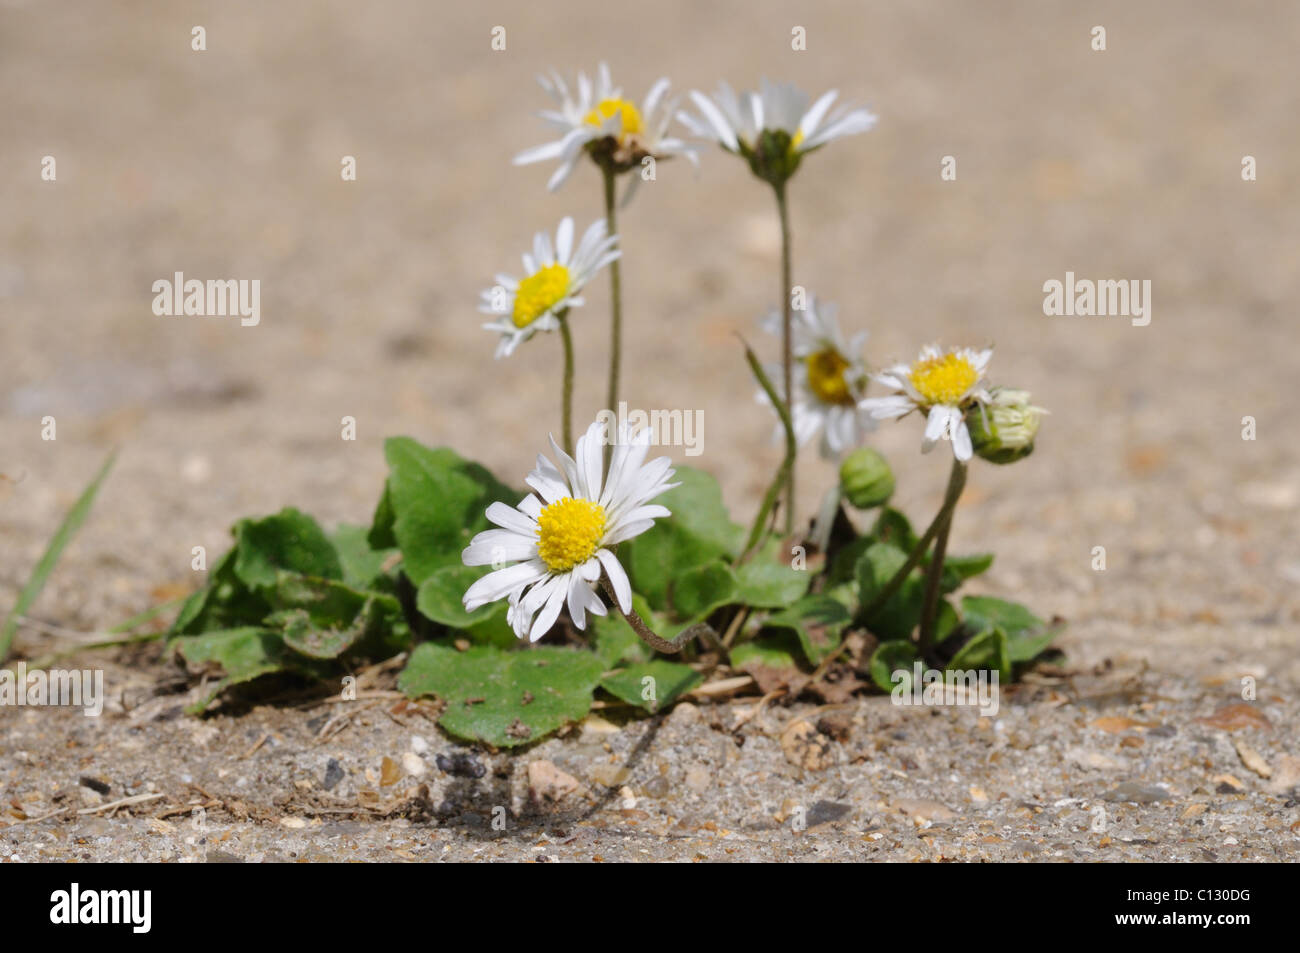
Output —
(615, 293)
(647, 634)
(566, 411)
(956, 483)
(787, 464)
(787, 356)
(930, 607)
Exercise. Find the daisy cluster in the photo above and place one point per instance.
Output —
(559, 541)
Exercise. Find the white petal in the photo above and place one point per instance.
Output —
(617, 578)
(496, 585)
(564, 241)
(510, 518)
(550, 612)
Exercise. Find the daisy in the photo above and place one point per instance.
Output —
(828, 380)
(559, 537)
(943, 385)
(597, 119)
(774, 127)
(554, 277)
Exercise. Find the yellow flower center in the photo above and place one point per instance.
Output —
(630, 116)
(569, 532)
(796, 140)
(826, 377)
(944, 380)
(539, 292)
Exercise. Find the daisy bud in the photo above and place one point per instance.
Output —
(1004, 430)
(866, 479)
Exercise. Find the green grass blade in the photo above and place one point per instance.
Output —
(71, 523)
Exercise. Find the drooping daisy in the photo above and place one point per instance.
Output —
(941, 384)
(560, 536)
(828, 380)
(598, 120)
(554, 276)
(775, 127)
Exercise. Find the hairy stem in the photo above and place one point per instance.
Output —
(647, 634)
(615, 295)
(956, 483)
(787, 348)
(787, 464)
(566, 410)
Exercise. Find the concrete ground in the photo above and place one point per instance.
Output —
(225, 163)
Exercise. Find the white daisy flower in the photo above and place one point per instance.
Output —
(828, 380)
(554, 275)
(739, 123)
(943, 385)
(596, 118)
(560, 536)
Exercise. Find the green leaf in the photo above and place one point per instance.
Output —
(987, 650)
(439, 598)
(984, 612)
(895, 656)
(699, 531)
(946, 622)
(224, 603)
(363, 567)
(699, 591)
(323, 618)
(244, 654)
(669, 681)
(844, 564)
(617, 642)
(1027, 634)
(957, 569)
(776, 651)
(817, 621)
(381, 535)
(45, 565)
(438, 500)
(770, 585)
(289, 540)
(503, 698)
(893, 527)
(902, 611)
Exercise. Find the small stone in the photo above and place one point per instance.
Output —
(684, 713)
(460, 764)
(547, 784)
(922, 810)
(414, 765)
(837, 725)
(293, 823)
(698, 779)
(389, 772)
(1088, 758)
(978, 794)
(656, 787)
(608, 775)
(1228, 784)
(333, 774)
(1240, 715)
(805, 747)
(1252, 759)
(419, 745)
(1138, 793)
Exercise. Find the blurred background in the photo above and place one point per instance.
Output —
(225, 163)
